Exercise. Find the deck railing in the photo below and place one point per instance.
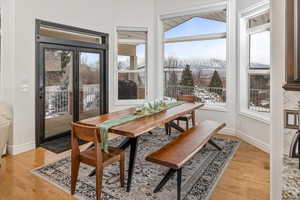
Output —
(207, 95)
(259, 99)
(59, 100)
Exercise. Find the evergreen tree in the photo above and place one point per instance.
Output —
(187, 77)
(216, 81)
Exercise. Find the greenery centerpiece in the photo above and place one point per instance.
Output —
(152, 107)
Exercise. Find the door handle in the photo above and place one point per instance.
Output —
(41, 93)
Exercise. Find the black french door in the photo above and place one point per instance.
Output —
(71, 86)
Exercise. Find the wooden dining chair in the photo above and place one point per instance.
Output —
(187, 117)
(93, 156)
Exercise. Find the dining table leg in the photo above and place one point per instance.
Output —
(132, 156)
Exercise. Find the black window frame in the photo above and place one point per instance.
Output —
(41, 40)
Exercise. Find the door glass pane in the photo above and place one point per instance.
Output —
(89, 84)
(259, 92)
(131, 85)
(260, 50)
(131, 61)
(58, 91)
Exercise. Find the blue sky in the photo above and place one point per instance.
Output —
(89, 58)
(197, 49)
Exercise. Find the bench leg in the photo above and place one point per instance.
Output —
(161, 184)
(166, 178)
(179, 173)
(194, 118)
(175, 126)
(214, 144)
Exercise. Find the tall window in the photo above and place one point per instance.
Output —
(195, 56)
(258, 34)
(132, 65)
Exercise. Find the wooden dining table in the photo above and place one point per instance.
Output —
(135, 128)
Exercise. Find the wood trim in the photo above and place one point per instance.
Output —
(289, 43)
(292, 44)
(292, 86)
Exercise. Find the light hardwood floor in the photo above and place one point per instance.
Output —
(245, 178)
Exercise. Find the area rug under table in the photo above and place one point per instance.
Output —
(199, 175)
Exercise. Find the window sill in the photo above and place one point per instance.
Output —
(218, 108)
(130, 102)
(265, 118)
(292, 86)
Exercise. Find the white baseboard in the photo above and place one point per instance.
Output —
(253, 141)
(17, 149)
(227, 131)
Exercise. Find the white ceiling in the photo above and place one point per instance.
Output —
(170, 23)
(132, 35)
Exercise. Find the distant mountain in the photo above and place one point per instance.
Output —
(200, 64)
(259, 66)
(206, 67)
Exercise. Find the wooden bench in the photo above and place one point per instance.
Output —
(176, 153)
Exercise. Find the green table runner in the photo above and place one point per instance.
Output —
(106, 125)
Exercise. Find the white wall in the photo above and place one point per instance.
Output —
(167, 7)
(256, 132)
(278, 77)
(7, 36)
(97, 15)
